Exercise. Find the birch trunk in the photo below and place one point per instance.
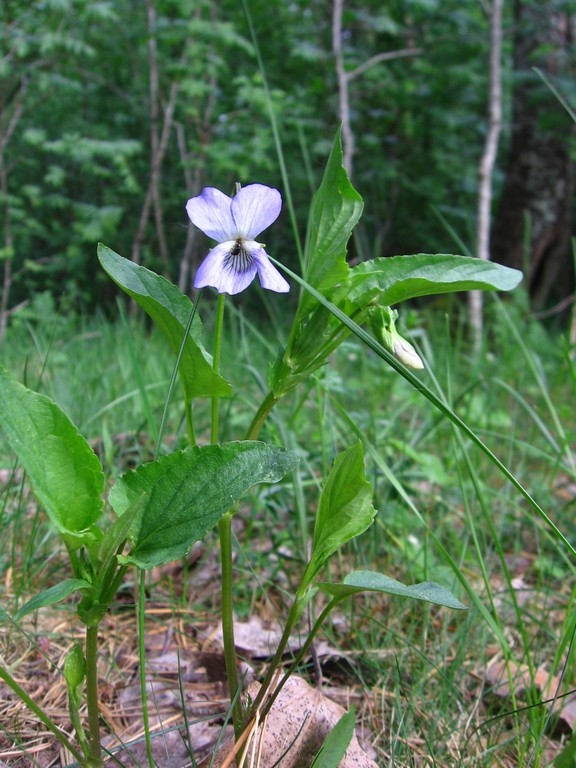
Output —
(486, 168)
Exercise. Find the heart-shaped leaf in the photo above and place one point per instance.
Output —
(170, 310)
(183, 495)
(64, 472)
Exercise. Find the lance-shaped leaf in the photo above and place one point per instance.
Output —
(335, 211)
(183, 495)
(398, 278)
(344, 511)
(64, 472)
(170, 310)
(52, 595)
(336, 742)
(371, 581)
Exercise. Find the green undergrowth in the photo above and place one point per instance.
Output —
(445, 513)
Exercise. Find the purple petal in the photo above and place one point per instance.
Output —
(254, 208)
(214, 271)
(268, 275)
(211, 212)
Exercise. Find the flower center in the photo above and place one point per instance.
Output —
(239, 259)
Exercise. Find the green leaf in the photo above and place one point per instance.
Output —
(64, 472)
(75, 671)
(170, 310)
(336, 743)
(335, 211)
(370, 581)
(344, 511)
(75, 675)
(399, 278)
(52, 595)
(567, 758)
(116, 534)
(184, 494)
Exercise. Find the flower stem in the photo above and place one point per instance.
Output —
(142, 655)
(95, 758)
(219, 325)
(225, 531)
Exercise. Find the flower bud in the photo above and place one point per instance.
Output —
(382, 320)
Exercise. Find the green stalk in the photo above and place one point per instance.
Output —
(142, 655)
(190, 425)
(301, 653)
(261, 415)
(112, 583)
(216, 361)
(293, 616)
(225, 531)
(95, 758)
(41, 715)
(76, 721)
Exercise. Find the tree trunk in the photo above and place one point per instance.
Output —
(487, 163)
(8, 123)
(533, 227)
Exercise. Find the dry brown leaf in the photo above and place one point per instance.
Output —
(500, 673)
(258, 639)
(498, 676)
(294, 730)
(568, 712)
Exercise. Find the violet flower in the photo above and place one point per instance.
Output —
(234, 222)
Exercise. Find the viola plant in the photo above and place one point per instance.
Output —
(162, 507)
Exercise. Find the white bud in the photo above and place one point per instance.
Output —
(405, 352)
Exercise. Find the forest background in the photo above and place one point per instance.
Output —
(113, 114)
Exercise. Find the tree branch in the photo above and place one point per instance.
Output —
(16, 113)
(379, 57)
(343, 96)
(158, 146)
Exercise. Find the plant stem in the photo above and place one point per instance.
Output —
(41, 715)
(261, 415)
(288, 627)
(190, 425)
(311, 635)
(225, 531)
(142, 655)
(216, 361)
(95, 758)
